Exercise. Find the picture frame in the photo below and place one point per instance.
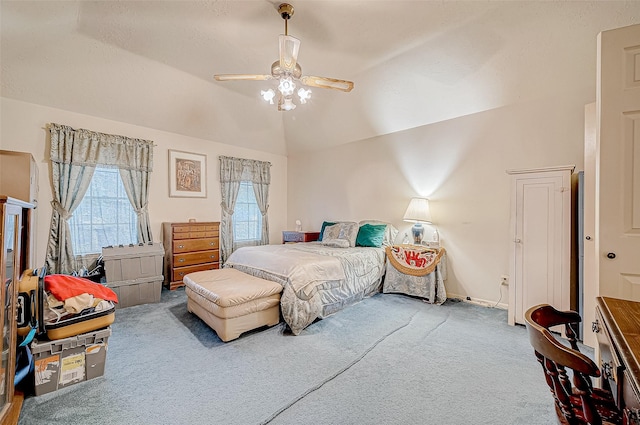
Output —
(187, 175)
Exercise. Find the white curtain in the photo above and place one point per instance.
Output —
(233, 171)
(74, 155)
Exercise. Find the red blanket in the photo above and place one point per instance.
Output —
(63, 286)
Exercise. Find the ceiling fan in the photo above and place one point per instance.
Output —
(288, 72)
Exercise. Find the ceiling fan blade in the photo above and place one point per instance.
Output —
(231, 77)
(327, 83)
(289, 47)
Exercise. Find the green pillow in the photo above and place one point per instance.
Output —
(371, 235)
(325, 224)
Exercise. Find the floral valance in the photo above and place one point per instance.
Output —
(93, 148)
(240, 169)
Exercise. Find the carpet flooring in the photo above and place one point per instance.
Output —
(389, 359)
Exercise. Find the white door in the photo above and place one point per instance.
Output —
(541, 245)
(618, 166)
(589, 273)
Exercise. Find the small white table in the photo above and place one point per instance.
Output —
(417, 271)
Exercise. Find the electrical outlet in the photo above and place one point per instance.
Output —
(504, 280)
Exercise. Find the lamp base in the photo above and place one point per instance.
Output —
(418, 232)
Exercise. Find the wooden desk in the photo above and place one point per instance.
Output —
(617, 329)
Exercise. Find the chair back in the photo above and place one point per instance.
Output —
(576, 400)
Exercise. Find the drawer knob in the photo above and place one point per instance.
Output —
(595, 327)
(181, 260)
(180, 246)
(181, 273)
(611, 255)
(212, 244)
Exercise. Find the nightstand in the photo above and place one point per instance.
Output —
(416, 270)
(290, 236)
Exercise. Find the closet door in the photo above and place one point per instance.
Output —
(617, 242)
(541, 239)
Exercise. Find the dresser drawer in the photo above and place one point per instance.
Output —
(192, 258)
(194, 235)
(611, 366)
(190, 245)
(180, 272)
(196, 227)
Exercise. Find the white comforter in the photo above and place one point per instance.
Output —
(317, 280)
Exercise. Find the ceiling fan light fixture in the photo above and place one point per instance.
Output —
(304, 95)
(286, 104)
(287, 72)
(268, 95)
(286, 86)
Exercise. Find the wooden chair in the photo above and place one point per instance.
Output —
(576, 400)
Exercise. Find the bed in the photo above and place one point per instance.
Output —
(321, 278)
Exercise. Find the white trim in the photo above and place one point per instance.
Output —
(479, 301)
(541, 169)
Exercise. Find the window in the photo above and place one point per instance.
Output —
(105, 215)
(247, 220)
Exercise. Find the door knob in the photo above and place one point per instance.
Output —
(588, 238)
(611, 255)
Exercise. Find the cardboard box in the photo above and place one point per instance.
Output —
(124, 263)
(67, 361)
(139, 291)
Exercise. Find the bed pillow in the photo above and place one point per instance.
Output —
(331, 231)
(324, 225)
(390, 233)
(338, 243)
(347, 230)
(371, 235)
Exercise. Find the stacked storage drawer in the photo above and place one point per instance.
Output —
(189, 247)
(134, 272)
(64, 362)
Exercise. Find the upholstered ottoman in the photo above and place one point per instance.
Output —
(232, 302)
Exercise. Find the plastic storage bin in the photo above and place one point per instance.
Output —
(134, 272)
(67, 361)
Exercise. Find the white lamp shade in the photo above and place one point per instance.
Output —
(418, 211)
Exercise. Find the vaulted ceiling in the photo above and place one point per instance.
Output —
(151, 63)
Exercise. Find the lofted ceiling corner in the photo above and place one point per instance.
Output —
(414, 63)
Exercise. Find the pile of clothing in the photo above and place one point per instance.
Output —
(68, 296)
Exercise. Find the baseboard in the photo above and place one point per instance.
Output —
(479, 301)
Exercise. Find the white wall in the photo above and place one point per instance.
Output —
(460, 165)
(23, 129)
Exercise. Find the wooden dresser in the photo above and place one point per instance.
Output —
(617, 329)
(189, 247)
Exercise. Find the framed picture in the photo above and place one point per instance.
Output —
(187, 175)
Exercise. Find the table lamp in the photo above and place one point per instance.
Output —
(418, 213)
